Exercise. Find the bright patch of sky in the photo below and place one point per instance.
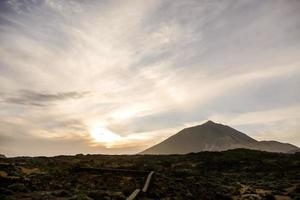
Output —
(119, 76)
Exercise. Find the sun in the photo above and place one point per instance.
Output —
(104, 136)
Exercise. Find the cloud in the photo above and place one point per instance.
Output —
(261, 117)
(150, 67)
(27, 97)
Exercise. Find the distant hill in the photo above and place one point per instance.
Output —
(212, 136)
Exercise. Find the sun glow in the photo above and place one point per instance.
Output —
(104, 136)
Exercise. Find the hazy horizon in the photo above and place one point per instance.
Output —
(116, 77)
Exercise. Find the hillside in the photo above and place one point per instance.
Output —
(212, 136)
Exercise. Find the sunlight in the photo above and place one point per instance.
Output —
(130, 111)
(104, 136)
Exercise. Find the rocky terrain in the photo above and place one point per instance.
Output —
(233, 174)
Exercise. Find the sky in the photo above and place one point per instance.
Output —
(116, 77)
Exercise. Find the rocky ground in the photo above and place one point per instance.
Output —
(235, 174)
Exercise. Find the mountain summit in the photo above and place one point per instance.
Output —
(212, 136)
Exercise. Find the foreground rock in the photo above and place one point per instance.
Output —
(233, 174)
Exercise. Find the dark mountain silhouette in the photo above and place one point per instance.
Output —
(211, 136)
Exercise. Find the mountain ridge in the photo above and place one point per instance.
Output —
(212, 136)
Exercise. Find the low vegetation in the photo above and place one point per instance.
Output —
(233, 174)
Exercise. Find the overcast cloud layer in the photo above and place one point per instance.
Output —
(120, 76)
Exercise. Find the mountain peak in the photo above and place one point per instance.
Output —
(212, 136)
(209, 122)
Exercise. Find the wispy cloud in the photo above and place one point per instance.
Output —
(27, 97)
(150, 68)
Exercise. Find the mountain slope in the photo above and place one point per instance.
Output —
(274, 146)
(211, 136)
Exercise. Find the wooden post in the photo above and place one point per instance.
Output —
(145, 188)
(133, 195)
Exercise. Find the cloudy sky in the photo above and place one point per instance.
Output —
(99, 76)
